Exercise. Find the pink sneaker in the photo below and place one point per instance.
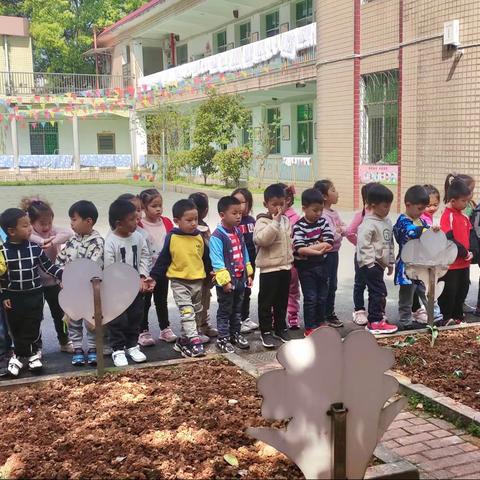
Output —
(360, 317)
(420, 315)
(379, 328)
(167, 335)
(145, 339)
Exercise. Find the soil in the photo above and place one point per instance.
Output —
(174, 422)
(450, 367)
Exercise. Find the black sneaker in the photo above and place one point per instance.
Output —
(283, 336)
(334, 321)
(182, 346)
(413, 326)
(196, 347)
(225, 346)
(240, 341)
(268, 341)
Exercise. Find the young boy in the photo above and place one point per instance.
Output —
(124, 244)
(410, 225)
(312, 239)
(375, 253)
(184, 260)
(233, 272)
(86, 243)
(22, 293)
(272, 236)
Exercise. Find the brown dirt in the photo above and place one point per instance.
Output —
(450, 367)
(153, 423)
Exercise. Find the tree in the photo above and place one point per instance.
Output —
(231, 163)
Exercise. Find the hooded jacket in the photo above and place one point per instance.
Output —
(89, 246)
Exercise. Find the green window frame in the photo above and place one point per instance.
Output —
(272, 24)
(182, 54)
(221, 41)
(303, 13)
(273, 123)
(305, 129)
(245, 31)
(43, 139)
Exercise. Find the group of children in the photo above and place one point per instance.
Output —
(285, 250)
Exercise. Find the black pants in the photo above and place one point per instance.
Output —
(24, 319)
(377, 292)
(123, 331)
(160, 296)
(229, 313)
(51, 297)
(273, 300)
(359, 286)
(314, 283)
(246, 301)
(457, 283)
(331, 264)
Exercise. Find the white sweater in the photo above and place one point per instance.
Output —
(132, 250)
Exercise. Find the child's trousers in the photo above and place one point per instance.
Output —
(405, 303)
(203, 320)
(331, 264)
(273, 300)
(160, 296)
(314, 282)
(75, 331)
(123, 330)
(229, 313)
(51, 297)
(377, 292)
(293, 298)
(359, 286)
(188, 297)
(457, 283)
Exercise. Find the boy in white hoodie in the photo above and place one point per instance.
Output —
(375, 253)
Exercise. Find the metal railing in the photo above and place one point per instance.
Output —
(37, 83)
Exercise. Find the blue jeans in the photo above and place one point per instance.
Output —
(229, 313)
(314, 282)
(331, 264)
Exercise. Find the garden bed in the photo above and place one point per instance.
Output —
(451, 366)
(176, 422)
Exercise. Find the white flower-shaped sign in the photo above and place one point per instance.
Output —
(319, 371)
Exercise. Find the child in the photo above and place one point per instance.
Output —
(312, 239)
(469, 182)
(339, 229)
(272, 236)
(22, 293)
(247, 225)
(157, 228)
(185, 262)
(457, 227)
(410, 226)
(50, 238)
(86, 243)
(433, 204)
(233, 272)
(359, 313)
(5, 342)
(375, 252)
(205, 330)
(124, 244)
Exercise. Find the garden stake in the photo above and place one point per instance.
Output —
(431, 295)
(339, 437)
(97, 315)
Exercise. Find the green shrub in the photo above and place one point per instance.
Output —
(180, 164)
(231, 163)
(202, 157)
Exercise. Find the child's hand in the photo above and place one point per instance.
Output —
(436, 228)
(278, 215)
(7, 304)
(149, 284)
(390, 270)
(469, 256)
(227, 288)
(249, 282)
(47, 243)
(323, 247)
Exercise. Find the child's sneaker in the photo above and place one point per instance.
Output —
(119, 358)
(78, 358)
(35, 363)
(378, 328)
(240, 341)
(225, 346)
(268, 341)
(293, 324)
(420, 315)
(107, 350)
(92, 357)
(334, 321)
(14, 366)
(167, 335)
(189, 348)
(283, 336)
(360, 317)
(196, 347)
(204, 338)
(248, 326)
(145, 339)
(136, 354)
(67, 347)
(210, 331)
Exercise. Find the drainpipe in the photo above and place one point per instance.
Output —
(172, 50)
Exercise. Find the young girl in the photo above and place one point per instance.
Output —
(469, 182)
(433, 204)
(457, 228)
(205, 330)
(360, 283)
(246, 226)
(327, 188)
(157, 228)
(50, 238)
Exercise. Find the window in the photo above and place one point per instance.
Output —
(182, 54)
(273, 122)
(221, 41)
(380, 118)
(305, 129)
(272, 24)
(106, 143)
(304, 13)
(245, 30)
(43, 139)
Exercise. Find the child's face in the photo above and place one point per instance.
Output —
(380, 209)
(81, 226)
(243, 203)
(154, 209)
(22, 231)
(188, 222)
(43, 225)
(313, 212)
(414, 210)
(433, 205)
(127, 225)
(332, 196)
(138, 207)
(275, 205)
(232, 216)
(460, 203)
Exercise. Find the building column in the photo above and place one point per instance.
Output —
(76, 144)
(138, 139)
(16, 156)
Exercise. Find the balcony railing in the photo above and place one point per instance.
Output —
(36, 83)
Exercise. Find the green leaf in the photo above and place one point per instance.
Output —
(458, 374)
(406, 342)
(231, 459)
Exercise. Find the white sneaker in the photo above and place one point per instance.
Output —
(248, 326)
(35, 362)
(119, 358)
(136, 354)
(420, 315)
(14, 366)
(360, 317)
